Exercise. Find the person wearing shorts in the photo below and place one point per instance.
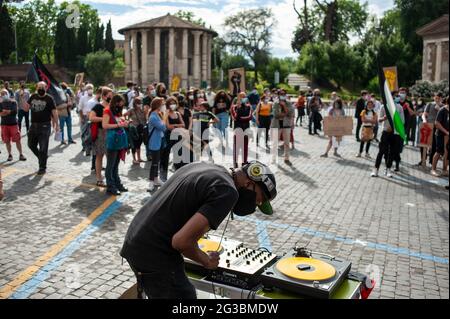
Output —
(9, 128)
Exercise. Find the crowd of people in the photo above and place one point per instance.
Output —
(177, 125)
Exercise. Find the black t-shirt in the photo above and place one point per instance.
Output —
(202, 117)
(243, 112)
(186, 116)
(41, 108)
(98, 109)
(198, 187)
(11, 118)
(442, 117)
(360, 106)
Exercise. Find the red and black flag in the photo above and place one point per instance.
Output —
(38, 72)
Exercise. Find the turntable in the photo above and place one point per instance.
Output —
(307, 273)
(239, 266)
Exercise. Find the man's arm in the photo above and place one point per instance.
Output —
(55, 120)
(185, 241)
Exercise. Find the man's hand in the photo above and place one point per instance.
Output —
(213, 260)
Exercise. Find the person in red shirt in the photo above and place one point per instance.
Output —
(301, 103)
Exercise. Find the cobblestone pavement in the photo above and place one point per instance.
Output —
(397, 229)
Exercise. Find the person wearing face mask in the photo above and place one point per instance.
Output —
(429, 116)
(388, 147)
(43, 115)
(136, 117)
(369, 119)
(201, 121)
(360, 105)
(263, 116)
(314, 107)
(334, 111)
(170, 224)
(150, 94)
(21, 96)
(409, 114)
(221, 108)
(173, 121)
(210, 96)
(156, 141)
(116, 143)
(9, 129)
(99, 134)
(161, 91)
(300, 105)
(377, 108)
(442, 133)
(65, 117)
(283, 115)
(254, 99)
(241, 112)
(190, 99)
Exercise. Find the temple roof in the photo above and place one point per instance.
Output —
(437, 26)
(167, 22)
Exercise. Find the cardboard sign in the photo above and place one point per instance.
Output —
(176, 80)
(338, 126)
(391, 76)
(79, 78)
(426, 134)
(236, 81)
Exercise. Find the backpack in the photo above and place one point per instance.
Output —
(125, 97)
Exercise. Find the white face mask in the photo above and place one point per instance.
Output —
(173, 107)
(191, 97)
(90, 92)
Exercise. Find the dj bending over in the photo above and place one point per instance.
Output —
(197, 198)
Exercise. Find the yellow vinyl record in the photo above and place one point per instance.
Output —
(306, 268)
(207, 245)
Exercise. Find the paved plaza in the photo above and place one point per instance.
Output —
(60, 235)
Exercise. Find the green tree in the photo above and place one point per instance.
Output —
(190, 16)
(6, 34)
(230, 61)
(109, 41)
(284, 66)
(249, 33)
(347, 65)
(99, 41)
(99, 66)
(315, 61)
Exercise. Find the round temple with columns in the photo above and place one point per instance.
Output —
(158, 49)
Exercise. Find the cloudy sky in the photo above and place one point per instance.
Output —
(124, 13)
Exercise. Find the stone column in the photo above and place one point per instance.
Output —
(425, 62)
(144, 76)
(184, 57)
(157, 54)
(171, 56)
(134, 58)
(204, 57)
(437, 78)
(209, 64)
(127, 49)
(197, 58)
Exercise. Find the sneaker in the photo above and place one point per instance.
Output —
(41, 172)
(336, 154)
(324, 155)
(72, 142)
(22, 158)
(397, 169)
(10, 158)
(288, 162)
(122, 189)
(374, 173)
(434, 173)
(63, 143)
(389, 174)
(368, 156)
(113, 192)
(158, 182)
(151, 187)
(358, 155)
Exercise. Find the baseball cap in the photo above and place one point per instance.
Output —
(263, 176)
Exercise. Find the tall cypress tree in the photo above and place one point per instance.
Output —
(60, 47)
(83, 46)
(99, 42)
(6, 34)
(109, 41)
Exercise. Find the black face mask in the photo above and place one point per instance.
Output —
(246, 203)
(41, 92)
(108, 100)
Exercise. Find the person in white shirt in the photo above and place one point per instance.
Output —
(83, 104)
(210, 96)
(376, 109)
